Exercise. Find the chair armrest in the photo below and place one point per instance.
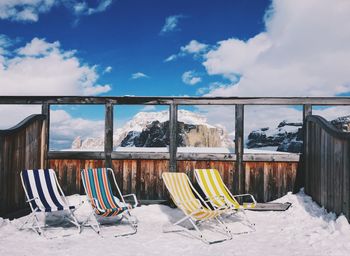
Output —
(243, 195)
(136, 202)
(32, 199)
(188, 201)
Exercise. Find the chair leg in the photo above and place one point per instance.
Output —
(34, 225)
(199, 234)
(72, 219)
(132, 223)
(95, 226)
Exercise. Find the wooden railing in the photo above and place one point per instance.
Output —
(267, 176)
(20, 148)
(327, 165)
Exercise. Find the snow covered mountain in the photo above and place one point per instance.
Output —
(286, 137)
(342, 123)
(150, 129)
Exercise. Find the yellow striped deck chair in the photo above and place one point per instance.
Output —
(216, 191)
(196, 210)
(220, 196)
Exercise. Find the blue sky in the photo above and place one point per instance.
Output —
(127, 37)
(172, 48)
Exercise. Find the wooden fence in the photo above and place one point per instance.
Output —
(327, 165)
(265, 180)
(20, 148)
(267, 176)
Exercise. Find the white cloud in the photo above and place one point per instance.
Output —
(194, 47)
(64, 129)
(29, 10)
(38, 47)
(191, 78)
(43, 68)
(233, 56)
(83, 8)
(138, 75)
(171, 23)
(11, 115)
(108, 69)
(24, 10)
(303, 52)
(171, 58)
(331, 113)
(148, 108)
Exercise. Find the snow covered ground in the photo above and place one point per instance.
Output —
(304, 229)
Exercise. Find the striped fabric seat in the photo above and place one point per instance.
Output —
(99, 191)
(42, 190)
(182, 195)
(216, 191)
(45, 195)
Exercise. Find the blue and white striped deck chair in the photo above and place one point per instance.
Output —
(45, 195)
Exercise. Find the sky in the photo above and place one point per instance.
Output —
(172, 48)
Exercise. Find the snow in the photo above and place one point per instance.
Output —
(304, 229)
(199, 150)
(203, 150)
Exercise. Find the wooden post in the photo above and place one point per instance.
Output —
(302, 178)
(108, 134)
(45, 135)
(172, 137)
(239, 146)
(307, 111)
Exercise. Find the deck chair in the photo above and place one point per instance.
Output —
(45, 195)
(196, 210)
(104, 204)
(219, 195)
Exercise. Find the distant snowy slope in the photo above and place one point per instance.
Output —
(145, 120)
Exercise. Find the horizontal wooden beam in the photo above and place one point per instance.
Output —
(76, 155)
(271, 157)
(206, 156)
(139, 155)
(180, 156)
(134, 100)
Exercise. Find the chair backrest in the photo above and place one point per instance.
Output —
(98, 187)
(214, 188)
(42, 186)
(181, 192)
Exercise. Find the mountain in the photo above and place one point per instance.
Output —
(342, 123)
(151, 129)
(287, 137)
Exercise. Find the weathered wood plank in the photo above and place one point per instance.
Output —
(327, 165)
(19, 150)
(172, 137)
(178, 100)
(239, 146)
(108, 139)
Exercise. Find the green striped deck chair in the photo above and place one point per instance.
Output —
(104, 204)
